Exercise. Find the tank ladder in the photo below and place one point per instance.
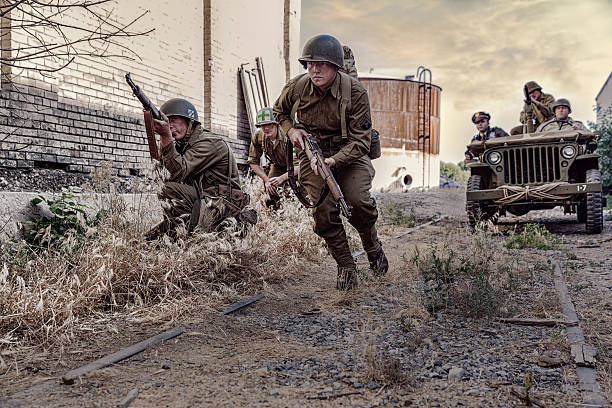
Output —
(424, 120)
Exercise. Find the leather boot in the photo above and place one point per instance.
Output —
(347, 278)
(379, 264)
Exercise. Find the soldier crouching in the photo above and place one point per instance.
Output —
(203, 189)
(312, 104)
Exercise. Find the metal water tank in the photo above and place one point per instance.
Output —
(396, 114)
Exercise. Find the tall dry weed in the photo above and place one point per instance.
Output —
(46, 296)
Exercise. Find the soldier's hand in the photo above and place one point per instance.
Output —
(297, 137)
(270, 188)
(313, 164)
(275, 181)
(162, 127)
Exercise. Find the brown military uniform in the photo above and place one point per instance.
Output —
(206, 164)
(319, 114)
(543, 112)
(275, 152)
(571, 124)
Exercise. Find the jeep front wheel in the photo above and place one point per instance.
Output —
(474, 208)
(594, 208)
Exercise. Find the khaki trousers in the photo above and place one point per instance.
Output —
(355, 181)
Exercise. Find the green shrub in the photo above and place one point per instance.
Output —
(438, 273)
(68, 218)
(532, 236)
(398, 217)
(454, 171)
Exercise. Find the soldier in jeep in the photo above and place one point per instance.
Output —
(562, 120)
(485, 131)
(541, 105)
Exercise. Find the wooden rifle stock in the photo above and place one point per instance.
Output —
(313, 150)
(150, 112)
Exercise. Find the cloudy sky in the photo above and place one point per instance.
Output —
(480, 52)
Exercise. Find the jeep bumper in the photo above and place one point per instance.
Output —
(560, 189)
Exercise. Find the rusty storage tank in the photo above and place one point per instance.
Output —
(407, 115)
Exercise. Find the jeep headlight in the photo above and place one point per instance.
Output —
(494, 157)
(568, 152)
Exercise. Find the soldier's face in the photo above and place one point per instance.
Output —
(322, 74)
(482, 125)
(178, 127)
(561, 112)
(535, 94)
(270, 130)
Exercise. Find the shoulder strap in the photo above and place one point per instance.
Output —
(345, 102)
(300, 84)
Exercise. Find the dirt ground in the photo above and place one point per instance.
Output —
(307, 344)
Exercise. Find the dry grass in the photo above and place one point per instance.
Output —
(45, 297)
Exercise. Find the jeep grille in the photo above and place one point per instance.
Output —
(534, 164)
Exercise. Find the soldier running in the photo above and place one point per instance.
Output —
(311, 104)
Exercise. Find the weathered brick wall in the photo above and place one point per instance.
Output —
(43, 132)
(85, 112)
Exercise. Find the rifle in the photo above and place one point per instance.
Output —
(528, 126)
(312, 149)
(150, 112)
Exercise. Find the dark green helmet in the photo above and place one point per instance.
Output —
(323, 48)
(532, 86)
(562, 102)
(180, 107)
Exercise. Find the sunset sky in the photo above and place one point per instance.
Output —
(480, 52)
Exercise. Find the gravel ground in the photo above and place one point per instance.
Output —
(306, 344)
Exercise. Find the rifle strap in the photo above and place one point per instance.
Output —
(345, 100)
(293, 181)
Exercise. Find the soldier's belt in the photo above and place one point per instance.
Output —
(559, 189)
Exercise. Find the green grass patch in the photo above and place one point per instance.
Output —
(532, 236)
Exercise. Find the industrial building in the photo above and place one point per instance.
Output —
(406, 112)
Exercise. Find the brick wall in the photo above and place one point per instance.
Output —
(41, 131)
(85, 112)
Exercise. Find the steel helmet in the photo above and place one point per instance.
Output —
(265, 116)
(323, 48)
(180, 107)
(532, 86)
(562, 102)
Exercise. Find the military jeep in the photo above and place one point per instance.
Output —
(536, 171)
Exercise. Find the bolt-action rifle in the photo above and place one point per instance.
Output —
(313, 150)
(528, 126)
(150, 112)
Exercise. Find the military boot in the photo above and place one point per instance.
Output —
(347, 278)
(379, 264)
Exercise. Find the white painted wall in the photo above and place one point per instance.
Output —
(397, 166)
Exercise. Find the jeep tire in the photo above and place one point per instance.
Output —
(594, 209)
(581, 213)
(474, 208)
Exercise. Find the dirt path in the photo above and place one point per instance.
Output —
(306, 344)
